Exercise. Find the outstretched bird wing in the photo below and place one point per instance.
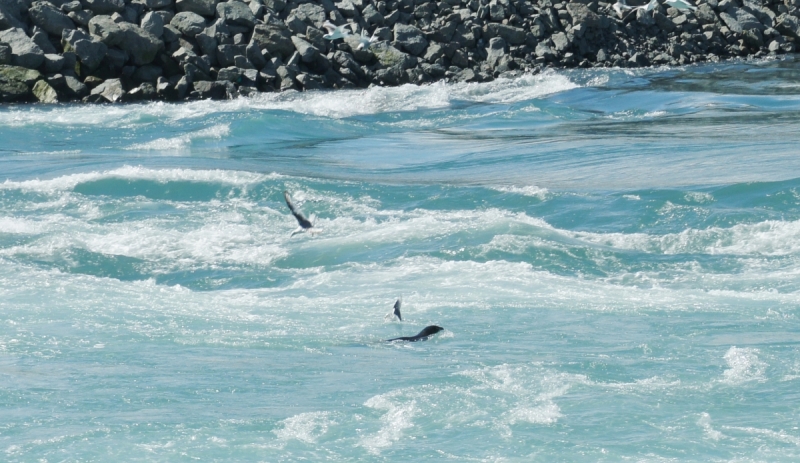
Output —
(301, 219)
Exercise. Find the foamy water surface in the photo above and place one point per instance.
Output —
(613, 256)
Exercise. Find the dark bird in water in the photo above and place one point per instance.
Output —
(423, 335)
(395, 312)
(305, 224)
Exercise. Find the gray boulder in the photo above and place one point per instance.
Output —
(104, 6)
(788, 25)
(111, 90)
(190, 24)
(511, 34)
(560, 41)
(41, 39)
(739, 20)
(215, 90)
(140, 44)
(391, 57)
(275, 5)
(496, 51)
(16, 82)
(89, 51)
(53, 63)
(226, 54)
(44, 92)
(311, 14)
(74, 88)
(307, 51)
(47, 17)
(371, 15)
(153, 23)
(81, 17)
(276, 39)
(201, 7)
(5, 54)
(237, 13)
(24, 51)
(581, 14)
(410, 39)
(9, 17)
(154, 4)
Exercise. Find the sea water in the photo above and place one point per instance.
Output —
(614, 256)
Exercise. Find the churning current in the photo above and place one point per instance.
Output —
(614, 256)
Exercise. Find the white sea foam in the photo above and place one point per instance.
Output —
(705, 423)
(68, 182)
(19, 226)
(334, 104)
(743, 366)
(305, 427)
(529, 190)
(394, 422)
(183, 141)
(771, 237)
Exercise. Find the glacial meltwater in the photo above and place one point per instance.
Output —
(614, 256)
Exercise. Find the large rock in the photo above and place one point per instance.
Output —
(391, 57)
(201, 7)
(51, 20)
(89, 51)
(410, 39)
(511, 34)
(16, 82)
(140, 44)
(190, 24)
(153, 23)
(788, 25)
(104, 6)
(276, 39)
(307, 51)
(496, 51)
(9, 17)
(44, 92)
(237, 13)
(311, 14)
(53, 63)
(155, 4)
(581, 14)
(739, 20)
(111, 90)
(24, 51)
(215, 90)
(5, 54)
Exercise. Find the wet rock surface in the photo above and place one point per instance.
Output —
(111, 51)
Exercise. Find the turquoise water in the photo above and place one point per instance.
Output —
(614, 256)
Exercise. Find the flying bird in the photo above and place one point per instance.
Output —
(680, 5)
(395, 312)
(305, 224)
(621, 7)
(336, 32)
(363, 42)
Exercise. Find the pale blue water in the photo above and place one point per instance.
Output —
(615, 256)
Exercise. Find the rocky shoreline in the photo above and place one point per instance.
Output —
(97, 51)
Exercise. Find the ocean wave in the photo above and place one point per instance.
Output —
(68, 182)
(332, 104)
(182, 142)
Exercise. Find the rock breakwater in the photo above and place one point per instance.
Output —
(129, 50)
